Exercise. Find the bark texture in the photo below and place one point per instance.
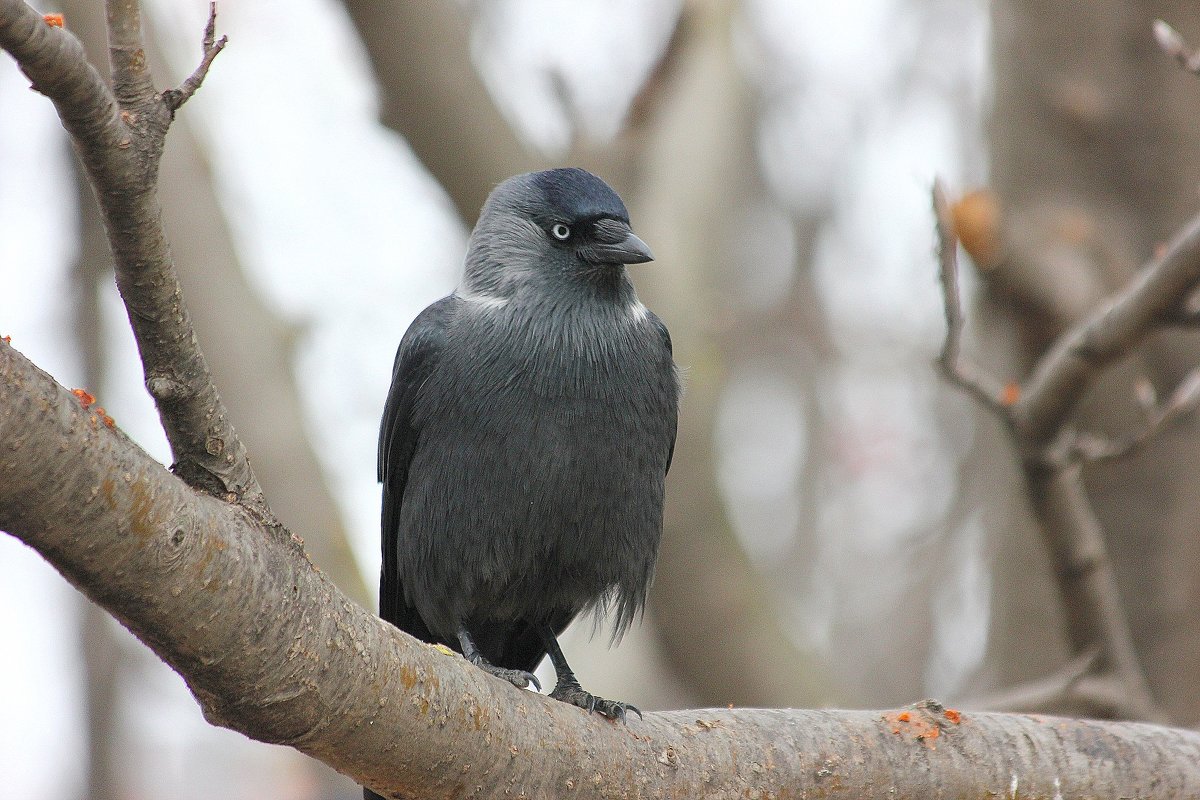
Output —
(271, 648)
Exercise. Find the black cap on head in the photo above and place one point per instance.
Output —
(578, 194)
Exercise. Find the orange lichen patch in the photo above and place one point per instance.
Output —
(6, 339)
(53, 20)
(108, 421)
(953, 715)
(1010, 394)
(86, 398)
(976, 218)
(919, 727)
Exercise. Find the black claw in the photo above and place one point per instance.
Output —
(615, 709)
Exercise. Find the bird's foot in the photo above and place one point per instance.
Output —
(517, 677)
(569, 691)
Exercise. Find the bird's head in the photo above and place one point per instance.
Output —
(560, 225)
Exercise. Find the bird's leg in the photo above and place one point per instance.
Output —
(517, 677)
(567, 688)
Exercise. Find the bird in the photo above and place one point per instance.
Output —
(526, 438)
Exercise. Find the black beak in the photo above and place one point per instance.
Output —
(614, 242)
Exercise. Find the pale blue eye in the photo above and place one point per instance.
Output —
(560, 231)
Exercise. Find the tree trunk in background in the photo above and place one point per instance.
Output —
(698, 175)
(435, 99)
(1095, 160)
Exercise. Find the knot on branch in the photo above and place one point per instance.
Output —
(923, 722)
(164, 389)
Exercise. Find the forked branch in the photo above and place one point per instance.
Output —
(1037, 415)
(119, 135)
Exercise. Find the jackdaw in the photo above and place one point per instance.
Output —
(527, 436)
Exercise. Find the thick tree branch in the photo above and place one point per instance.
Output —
(119, 140)
(272, 649)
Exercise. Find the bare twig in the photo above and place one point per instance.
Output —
(984, 388)
(1065, 374)
(1093, 449)
(1172, 43)
(1039, 695)
(175, 98)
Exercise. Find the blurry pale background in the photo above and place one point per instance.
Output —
(838, 455)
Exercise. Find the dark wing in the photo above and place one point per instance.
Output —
(666, 340)
(416, 358)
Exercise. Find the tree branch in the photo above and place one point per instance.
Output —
(1064, 375)
(272, 649)
(1052, 454)
(968, 377)
(119, 140)
(1084, 574)
(435, 98)
(132, 82)
(211, 47)
(1093, 449)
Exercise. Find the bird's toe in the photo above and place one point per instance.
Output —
(572, 693)
(517, 677)
(615, 709)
